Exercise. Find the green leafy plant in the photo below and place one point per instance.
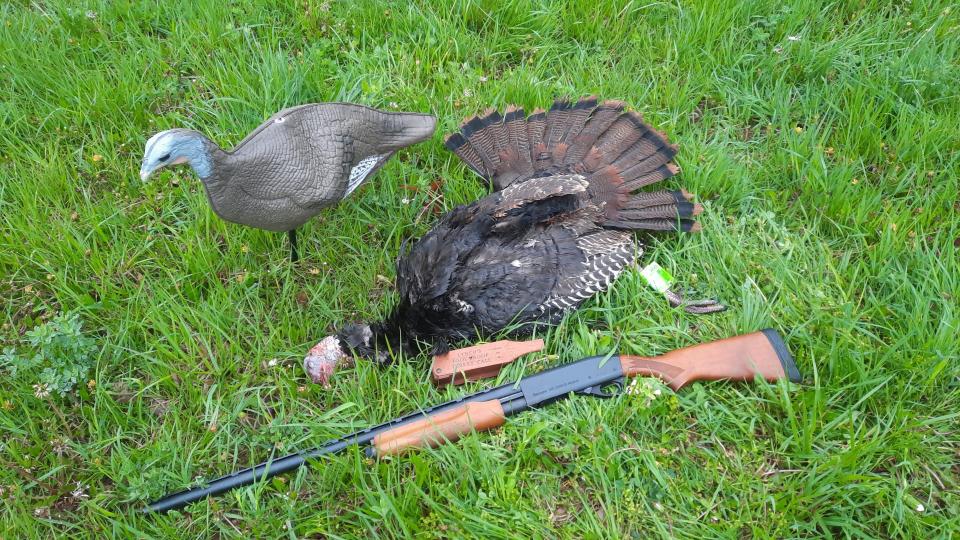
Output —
(61, 355)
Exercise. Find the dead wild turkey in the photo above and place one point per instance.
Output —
(558, 229)
(298, 162)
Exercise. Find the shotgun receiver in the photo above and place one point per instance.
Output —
(741, 358)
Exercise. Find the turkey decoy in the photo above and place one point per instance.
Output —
(558, 229)
(295, 164)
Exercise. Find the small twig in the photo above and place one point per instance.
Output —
(59, 413)
(935, 477)
(772, 472)
(31, 479)
(435, 198)
(615, 452)
(707, 511)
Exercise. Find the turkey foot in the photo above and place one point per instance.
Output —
(696, 307)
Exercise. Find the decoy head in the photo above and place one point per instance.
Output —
(175, 146)
(338, 350)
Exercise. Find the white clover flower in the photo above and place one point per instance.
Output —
(42, 391)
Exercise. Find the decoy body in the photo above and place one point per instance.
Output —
(559, 227)
(298, 162)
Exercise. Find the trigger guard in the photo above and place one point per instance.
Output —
(597, 391)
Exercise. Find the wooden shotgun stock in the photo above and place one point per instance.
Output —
(738, 358)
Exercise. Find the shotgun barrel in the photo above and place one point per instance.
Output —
(741, 358)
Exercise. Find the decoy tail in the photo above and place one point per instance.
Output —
(398, 130)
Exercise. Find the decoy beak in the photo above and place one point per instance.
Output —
(145, 174)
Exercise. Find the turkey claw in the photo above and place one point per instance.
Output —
(695, 307)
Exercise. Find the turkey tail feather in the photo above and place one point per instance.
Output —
(558, 123)
(459, 145)
(515, 159)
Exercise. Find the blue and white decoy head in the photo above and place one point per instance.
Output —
(173, 147)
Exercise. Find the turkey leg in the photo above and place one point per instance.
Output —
(292, 235)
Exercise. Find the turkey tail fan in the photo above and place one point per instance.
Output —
(514, 147)
(613, 148)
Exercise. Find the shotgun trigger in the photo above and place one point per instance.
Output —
(604, 390)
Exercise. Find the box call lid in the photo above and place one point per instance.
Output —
(479, 361)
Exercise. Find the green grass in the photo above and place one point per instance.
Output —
(823, 140)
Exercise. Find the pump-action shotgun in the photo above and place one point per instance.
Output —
(741, 358)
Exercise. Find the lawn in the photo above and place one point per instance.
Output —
(822, 139)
